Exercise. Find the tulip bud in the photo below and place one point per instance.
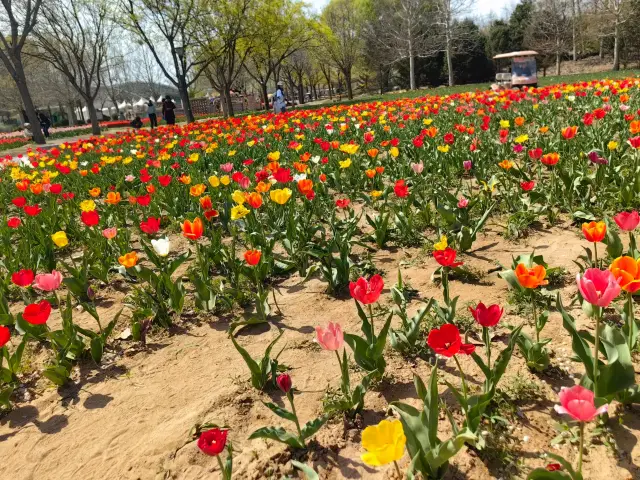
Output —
(284, 382)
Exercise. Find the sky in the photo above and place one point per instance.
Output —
(479, 8)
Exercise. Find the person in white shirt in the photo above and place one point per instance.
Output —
(279, 104)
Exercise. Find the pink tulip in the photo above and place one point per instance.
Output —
(627, 221)
(330, 338)
(467, 165)
(417, 168)
(226, 167)
(578, 402)
(109, 233)
(244, 182)
(463, 202)
(598, 287)
(48, 281)
(518, 148)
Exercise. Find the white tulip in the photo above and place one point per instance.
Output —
(161, 246)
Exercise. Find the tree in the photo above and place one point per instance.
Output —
(471, 64)
(499, 37)
(549, 30)
(519, 22)
(17, 24)
(281, 28)
(169, 28)
(72, 36)
(399, 30)
(342, 37)
(451, 36)
(615, 15)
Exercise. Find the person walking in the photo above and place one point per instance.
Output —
(279, 104)
(151, 112)
(168, 111)
(45, 123)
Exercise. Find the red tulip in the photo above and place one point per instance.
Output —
(487, 316)
(23, 278)
(527, 186)
(446, 257)
(252, 257)
(627, 221)
(90, 219)
(5, 335)
(367, 292)
(212, 442)
(446, 341)
(150, 226)
(284, 382)
(144, 200)
(19, 202)
(400, 189)
(342, 202)
(14, 222)
(32, 210)
(164, 180)
(37, 313)
(579, 403)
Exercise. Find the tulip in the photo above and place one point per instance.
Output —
(330, 338)
(5, 335)
(48, 282)
(367, 292)
(531, 277)
(627, 221)
(527, 186)
(284, 382)
(37, 313)
(22, 278)
(238, 197)
(442, 244)
(417, 168)
(90, 219)
(212, 442)
(446, 341)
(487, 316)
(400, 189)
(252, 257)
(467, 165)
(626, 270)
(14, 222)
(280, 196)
(594, 231)
(463, 202)
(109, 233)
(343, 203)
(446, 257)
(579, 403)
(161, 246)
(128, 260)
(150, 226)
(192, 230)
(384, 444)
(598, 287)
(238, 212)
(60, 239)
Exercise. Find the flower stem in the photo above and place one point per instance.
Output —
(535, 323)
(581, 447)
(222, 470)
(297, 422)
(445, 284)
(630, 321)
(373, 335)
(596, 347)
(462, 377)
(595, 254)
(397, 469)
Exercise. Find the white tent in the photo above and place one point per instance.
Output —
(140, 103)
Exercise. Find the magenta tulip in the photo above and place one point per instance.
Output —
(627, 221)
(330, 338)
(48, 281)
(598, 287)
(578, 402)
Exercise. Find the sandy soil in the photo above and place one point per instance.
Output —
(131, 418)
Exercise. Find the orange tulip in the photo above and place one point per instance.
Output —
(373, 152)
(380, 170)
(531, 277)
(113, 198)
(569, 132)
(263, 187)
(370, 172)
(519, 121)
(36, 188)
(594, 231)
(627, 273)
(192, 231)
(254, 199)
(197, 190)
(94, 192)
(305, 187)
(634, 127)
(128, 260)
(205, 202)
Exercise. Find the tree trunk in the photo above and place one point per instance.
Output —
(347, 80)
(450, 63)
(71, 114)
(227, 99)
(601, 53)
(183, 90)
(574, 30)
(300, 90)
(93, 116)
(558, 63)
(265, 96)
(27, 101)
(412, 72)
(616, 47)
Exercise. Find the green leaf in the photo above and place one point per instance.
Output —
(97, 349)
(278, 434)
(281, 412)
(312, 426)
(307, 470)
(57, 374)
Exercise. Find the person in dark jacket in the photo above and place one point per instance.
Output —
(136, 123)
(45, 123)
(151, 112)
(168, 111)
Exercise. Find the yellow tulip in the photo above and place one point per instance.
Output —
(60, 239)
(273, 156)
(442, 244)
(238, 212)
(504, 123)
(612, 145)
(376, 193)
(384, 443)
(238, 197)
(345, 163)
(280, 196)
(443, 148)
(521, 138)
(394, 152)
(225, 180)
(87, 205)
(214, 181)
